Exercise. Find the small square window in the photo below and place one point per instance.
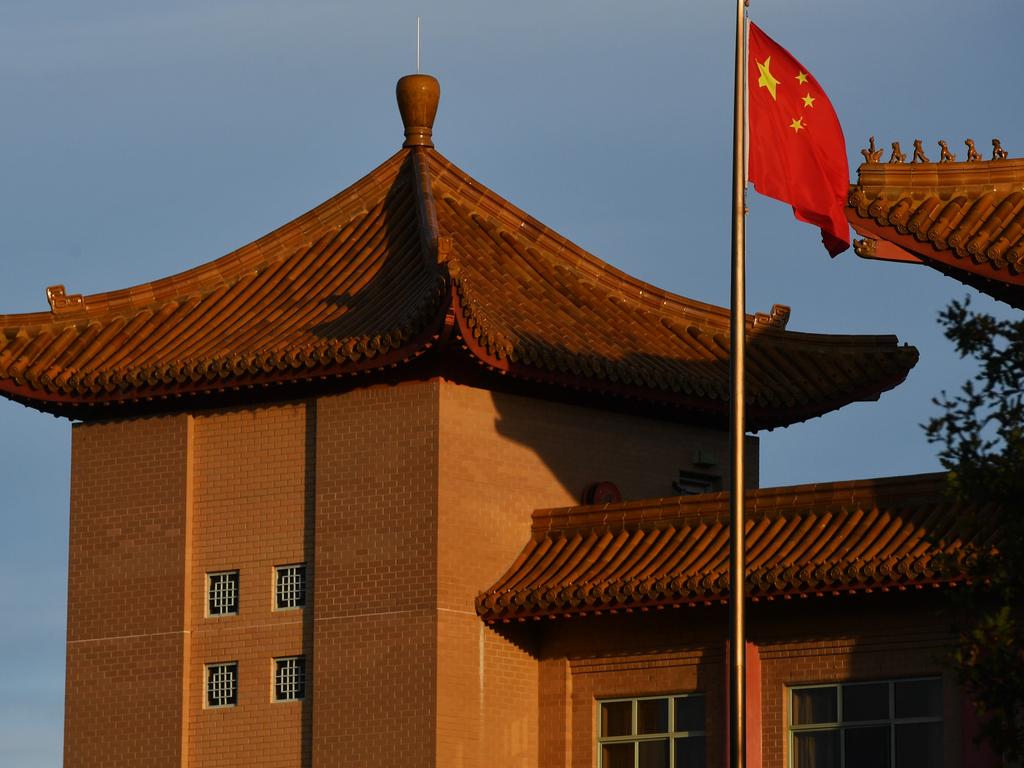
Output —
(222, 593)
(222, 684)
(290, 587)
(290, 678)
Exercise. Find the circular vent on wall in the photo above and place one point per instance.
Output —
(603, 492)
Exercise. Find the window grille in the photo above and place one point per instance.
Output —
(290, 678)
(651, 732)
(291, 586)
(885, 723)
(222, 684)
(222, 593)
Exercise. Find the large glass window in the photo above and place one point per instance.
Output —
(651, 732)
(884, 724)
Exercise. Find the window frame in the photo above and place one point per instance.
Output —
(636, 738)
(276, 666)
(842, 726)
(278, 569)
(208, 668)
(210, 575)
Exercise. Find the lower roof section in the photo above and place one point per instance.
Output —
(828, 538)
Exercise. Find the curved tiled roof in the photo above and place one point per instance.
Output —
(419, 260)
(345, 283)
(965, 219)
(812, 539)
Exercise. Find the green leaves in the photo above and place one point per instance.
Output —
(981, 439)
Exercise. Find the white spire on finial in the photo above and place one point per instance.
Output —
(417, 45)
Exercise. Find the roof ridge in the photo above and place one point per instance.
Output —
(989, 174)
(426, 210)
(714, 507)
(595, 267)
(303, 230)
(651, 297)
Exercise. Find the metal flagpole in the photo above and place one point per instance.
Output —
(737, 425)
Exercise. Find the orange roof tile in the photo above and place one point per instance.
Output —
(419, 260)
(964, 219)
(810, 539)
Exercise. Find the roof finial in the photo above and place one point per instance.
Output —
(417, 101)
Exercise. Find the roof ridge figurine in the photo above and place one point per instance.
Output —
(871, 155)
(919, 155)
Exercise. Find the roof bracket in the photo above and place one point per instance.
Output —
(60, 300)
(777, 318)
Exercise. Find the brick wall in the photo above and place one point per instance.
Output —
(127, 602)
(253, 510)
(376, 582)
(405, 502)
(625, 655)
(839, 639)
(817, 640)
(500, 458)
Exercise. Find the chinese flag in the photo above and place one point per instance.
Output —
(797, 150)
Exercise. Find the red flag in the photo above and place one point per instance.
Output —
(797, 150)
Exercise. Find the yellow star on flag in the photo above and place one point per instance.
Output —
(808, 100)
(797, 125)
(801, 78)
(767, 80)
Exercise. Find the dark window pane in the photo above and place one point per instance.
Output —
(918, 698)
(222, 593)
(617, 755)
(222, 685)
(290, 679)
(690, 713)
(814, 705)
(652, 716)
(654, 754)
(291, 586)
(690, 752)
(816, 749)
(616, 718)
(865, 702)
(867, 747)
(919, 745)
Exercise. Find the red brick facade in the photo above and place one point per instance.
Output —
(128, 606)
(820, 640)
(252, 510)
(405, 502)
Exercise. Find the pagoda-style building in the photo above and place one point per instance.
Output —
(325, 508)
(963, 218)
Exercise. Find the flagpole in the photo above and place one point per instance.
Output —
(737, 424)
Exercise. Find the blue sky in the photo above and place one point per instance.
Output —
(142, 138)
